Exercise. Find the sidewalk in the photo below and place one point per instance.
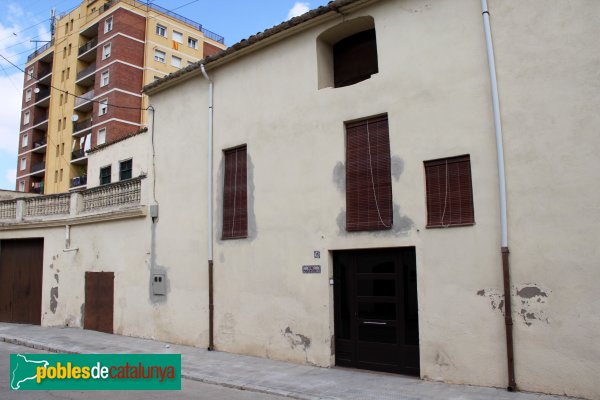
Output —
(257, 374)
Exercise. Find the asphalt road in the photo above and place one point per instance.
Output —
(191, 389)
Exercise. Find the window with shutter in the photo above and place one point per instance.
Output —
(355, 58)
(235, 194)
(368, 175)
(449, 192)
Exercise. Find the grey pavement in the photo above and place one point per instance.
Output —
(257, 374)
(190, 390)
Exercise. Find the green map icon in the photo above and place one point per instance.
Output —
(23, 369)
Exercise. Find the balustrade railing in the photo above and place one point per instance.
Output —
(47, 205)
(115, 194)
(8, 209)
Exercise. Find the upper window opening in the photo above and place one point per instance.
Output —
(347, 53)
(355, 59)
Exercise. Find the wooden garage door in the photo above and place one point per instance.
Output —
(21, 269)
(99, 301)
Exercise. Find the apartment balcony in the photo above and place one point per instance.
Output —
(37, 190)
(44, 75)
(82, 128)
(41, 122)
(87, 52)
(106, 6)
(79, 157)
(79, 182)
(83, 103)
(40, 51)
(87, 77)
(42, 98)
(40, 146)
(38, 169)
(119, 200)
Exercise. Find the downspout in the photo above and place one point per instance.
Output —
(209, 229)
(508, 323)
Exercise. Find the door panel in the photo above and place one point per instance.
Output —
(376, 313)
(21, 271)
(99, 301)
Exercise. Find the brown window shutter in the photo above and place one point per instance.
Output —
(235, 194)
(368, 176)
(449, 192)
(355, 58)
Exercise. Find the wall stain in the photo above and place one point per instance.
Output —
(397, 167)
(53, 299)
(442, 360)
(56, 277)
(332, 345)
(227, 328)
(495, 297)
(339, 176)
(82, 319)
(296, 340)
(530, 291)
(532, 299)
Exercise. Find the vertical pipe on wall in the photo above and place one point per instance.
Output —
(210, 211)
(508, 324)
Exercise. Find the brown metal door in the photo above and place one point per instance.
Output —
(99, 301)
(21, 270)
(376, 310)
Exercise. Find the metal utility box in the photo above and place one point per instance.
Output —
(159, 284)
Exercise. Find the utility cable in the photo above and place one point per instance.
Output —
(76, 96)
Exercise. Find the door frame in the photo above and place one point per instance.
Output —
(406, 270)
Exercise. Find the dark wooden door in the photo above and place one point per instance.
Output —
(21, 271)
(99, 301)
(376, 317)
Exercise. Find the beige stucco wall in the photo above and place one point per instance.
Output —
(436, 97)
(547, 57)
(434, 85)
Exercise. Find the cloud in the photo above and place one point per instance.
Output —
(11, 175)
(299, 8)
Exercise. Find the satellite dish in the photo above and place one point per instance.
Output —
(36, 90)
(75, 117)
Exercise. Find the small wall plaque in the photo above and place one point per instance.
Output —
(311, 269)
(317, 254)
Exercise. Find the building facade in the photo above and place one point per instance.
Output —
(83, 88)
(353, 215)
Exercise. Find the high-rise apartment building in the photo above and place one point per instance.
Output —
(83, 88)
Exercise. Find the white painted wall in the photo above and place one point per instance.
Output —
(138, 148)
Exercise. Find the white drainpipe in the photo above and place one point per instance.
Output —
(508, 323)
(497, 122)
(210, 212)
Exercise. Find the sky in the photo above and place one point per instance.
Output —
(26, 20)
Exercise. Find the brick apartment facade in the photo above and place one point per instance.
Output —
(83, 89)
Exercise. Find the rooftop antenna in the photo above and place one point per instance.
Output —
(52, 22)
